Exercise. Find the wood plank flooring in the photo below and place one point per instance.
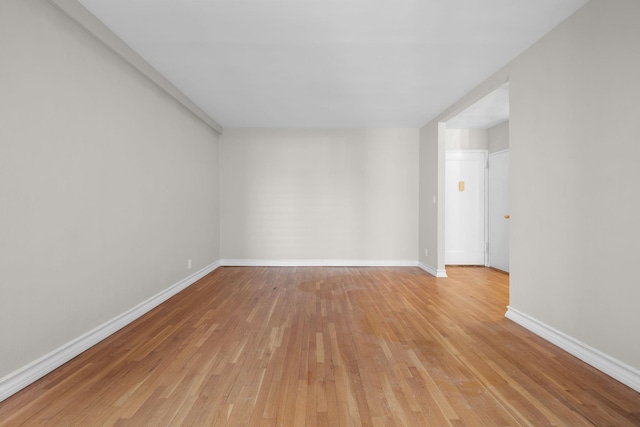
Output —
(326, 346)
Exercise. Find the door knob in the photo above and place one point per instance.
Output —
(507, 216)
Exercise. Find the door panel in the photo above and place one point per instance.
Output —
(498, 209)
(465, 208)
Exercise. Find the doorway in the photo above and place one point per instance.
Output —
(476, 230)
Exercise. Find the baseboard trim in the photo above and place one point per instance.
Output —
(315, 263)
(17, 380)
(622, 372)
(432, 271)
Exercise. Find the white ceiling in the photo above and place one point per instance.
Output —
(328, 63)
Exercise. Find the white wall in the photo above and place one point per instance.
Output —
(467, 139)
(342, 194)
(573, 137)
(499, 137)
(107, 185)
(431, 204)
(574, 125)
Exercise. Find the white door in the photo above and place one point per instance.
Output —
(499, 210)
(465, 208)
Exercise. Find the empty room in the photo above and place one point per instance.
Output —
(333, 213)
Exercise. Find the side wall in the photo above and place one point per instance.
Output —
(574, 121)
(107, 185)
(575, 234)
(499, 137)
(431, 203)
(319, 195)
(467, 139)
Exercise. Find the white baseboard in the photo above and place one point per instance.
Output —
(315, 263)
(35, 370)
(432, 271)
(622, 372)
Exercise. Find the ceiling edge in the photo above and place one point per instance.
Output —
(92, 25)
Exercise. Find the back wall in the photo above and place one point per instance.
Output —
(305, 194)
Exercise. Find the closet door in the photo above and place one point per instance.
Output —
(498, 253)
(465, 208)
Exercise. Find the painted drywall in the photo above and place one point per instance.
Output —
(107, 185)
(467, 139)
(431, 203)
(498, 137)
(85, 19)
(304, 194)
(574, 126)
(575, 235)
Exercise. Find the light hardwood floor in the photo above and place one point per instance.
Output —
(327, 346)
